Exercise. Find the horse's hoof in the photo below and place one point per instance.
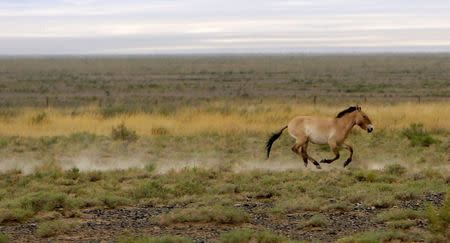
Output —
(306, 165)
(346, 163)
(318, 167)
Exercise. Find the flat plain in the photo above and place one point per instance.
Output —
(171, 149)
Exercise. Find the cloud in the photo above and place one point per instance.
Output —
(157, 26)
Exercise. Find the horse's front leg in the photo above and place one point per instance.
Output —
(350, 149)
(335, 150)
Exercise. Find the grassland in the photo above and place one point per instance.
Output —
(389, 199)
(161, 84)
(216, 117)
(167, 149)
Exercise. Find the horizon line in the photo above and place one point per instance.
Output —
(311, 53)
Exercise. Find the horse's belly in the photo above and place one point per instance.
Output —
(318, 139)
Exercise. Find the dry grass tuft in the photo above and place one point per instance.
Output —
(216, 117)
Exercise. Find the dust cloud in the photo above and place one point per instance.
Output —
(98, 163)
(26, 167)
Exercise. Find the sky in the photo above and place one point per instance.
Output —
(97, 27)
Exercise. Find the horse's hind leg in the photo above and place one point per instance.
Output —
(297, 146)
(305, 153)
(304, 157)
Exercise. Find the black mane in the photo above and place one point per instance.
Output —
(348, 110)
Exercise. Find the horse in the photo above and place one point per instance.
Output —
(318, 130)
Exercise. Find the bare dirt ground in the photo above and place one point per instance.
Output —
(105, 225)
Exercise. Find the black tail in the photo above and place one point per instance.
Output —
(272, 139)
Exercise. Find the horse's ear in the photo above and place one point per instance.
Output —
(358, 107)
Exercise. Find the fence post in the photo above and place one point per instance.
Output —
(315, 99)
(418, 99)
(46, 101)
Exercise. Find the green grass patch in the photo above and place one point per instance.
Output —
(395, 169)
(4, 238)
(439, 217)
(123, 133)
(299, 203)
(379, 236)
(206, 214)
(399, 214)
(380, 195)
(401, 224)
(251, 236)
(47, 201)
(150, 189)
(112, 201)
(15, 214)
(418, 136)
(53, 228)
(160, 239)
(39, 118)
(317, 220)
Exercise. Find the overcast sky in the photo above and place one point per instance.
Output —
(227, 26)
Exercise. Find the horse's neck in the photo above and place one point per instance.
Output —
(346, 123)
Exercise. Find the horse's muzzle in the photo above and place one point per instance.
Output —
(369, 128)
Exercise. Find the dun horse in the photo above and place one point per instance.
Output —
(331, 131)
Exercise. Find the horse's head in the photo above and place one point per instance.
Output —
(362, 120)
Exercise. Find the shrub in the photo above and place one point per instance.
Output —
(150, 167)
(3, 143)
(395, 169)
(52, 228)
(381, 200)
(401, 224)
(113, 201)
(39, 118)
(73, 173)
(217, 214)
(316, 221)
(3, 238)
(366, 175)
(303, 202)
(338, 206)
(408, 194)
(418, 136)
(249, 235)
(51, 169)
(399, 214)
(149, 189)
(439, 218)
(378, 236)
(46, 201)
(161, 239)
(189, 187)
(121, 132)
(14, 214)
